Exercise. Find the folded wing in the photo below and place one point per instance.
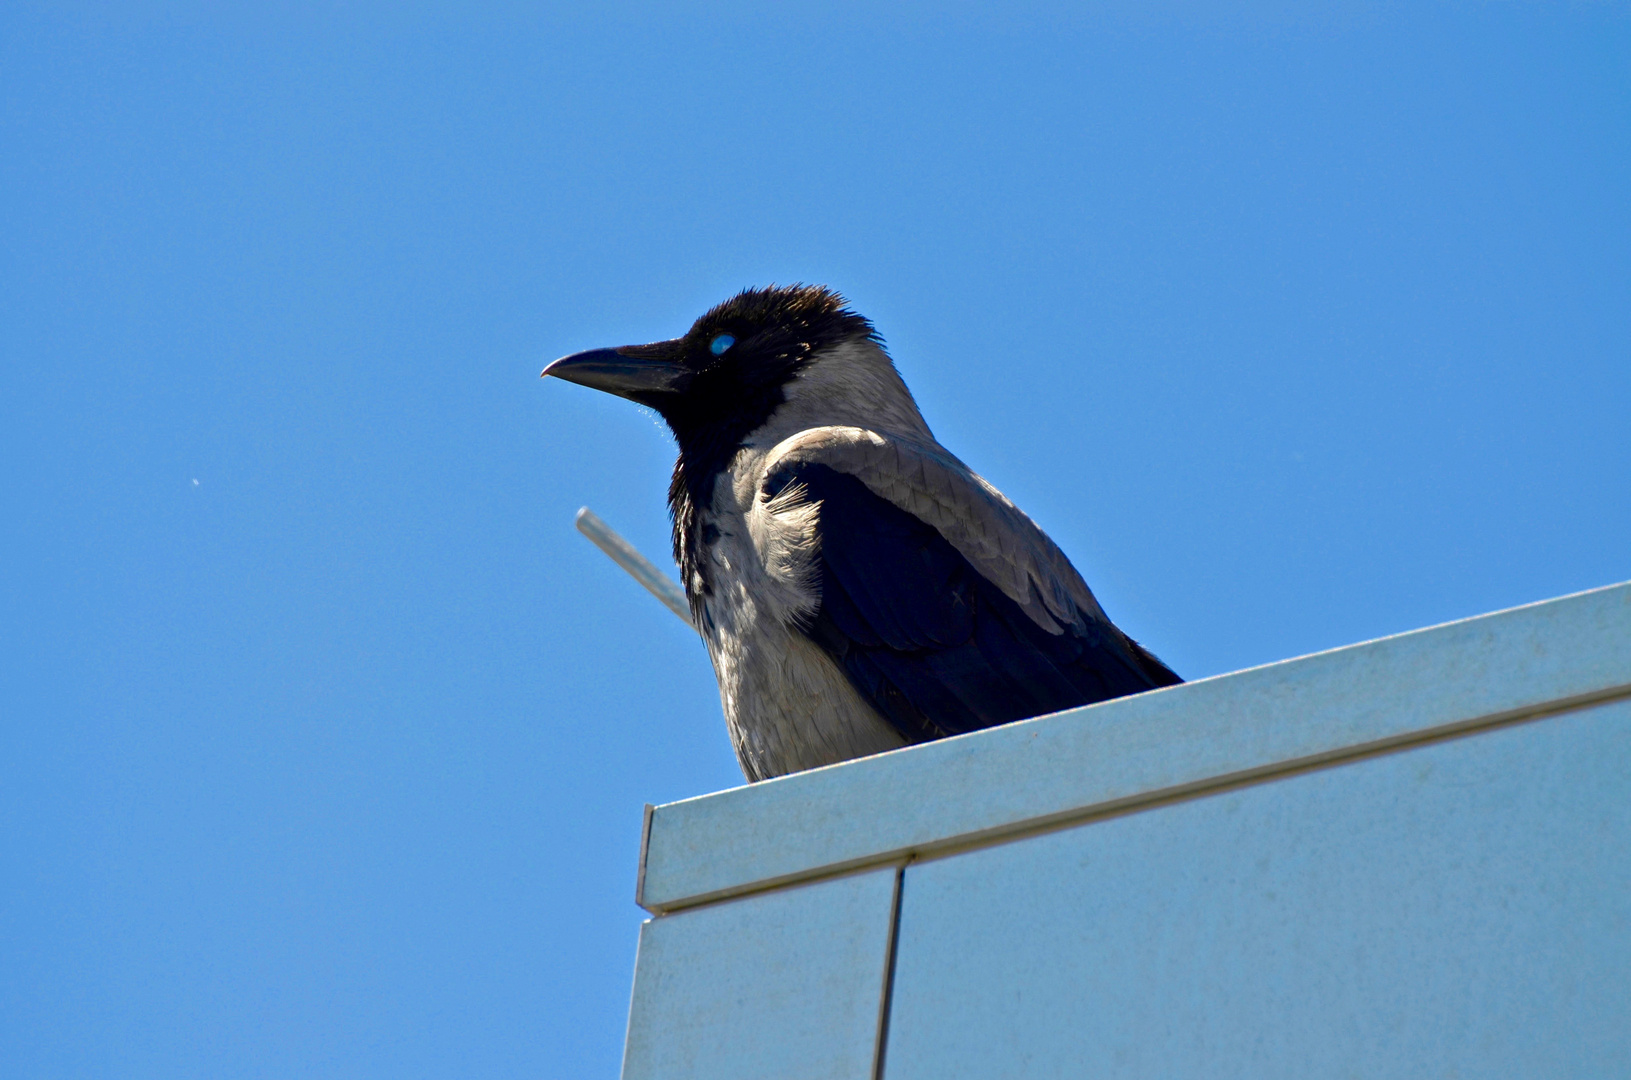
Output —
(947, 607)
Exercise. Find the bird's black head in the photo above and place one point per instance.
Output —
(720, 382)
(726, 376)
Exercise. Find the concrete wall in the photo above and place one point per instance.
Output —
(1407, 857)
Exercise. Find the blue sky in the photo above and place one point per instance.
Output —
(324, 737)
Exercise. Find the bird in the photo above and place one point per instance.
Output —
(858, 587)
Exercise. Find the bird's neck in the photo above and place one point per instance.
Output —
(851, 384)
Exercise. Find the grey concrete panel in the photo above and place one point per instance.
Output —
(1454, 910)
(1251, 724)
(785, 985)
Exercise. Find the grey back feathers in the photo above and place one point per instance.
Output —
(993, 534)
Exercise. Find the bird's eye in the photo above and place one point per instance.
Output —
(719, 344)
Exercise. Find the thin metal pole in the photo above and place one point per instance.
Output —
(621, 552)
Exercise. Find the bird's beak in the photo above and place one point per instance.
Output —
(637, 372)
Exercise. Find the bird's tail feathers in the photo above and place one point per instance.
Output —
(1151, 665)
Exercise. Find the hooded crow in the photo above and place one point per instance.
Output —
(859, 588)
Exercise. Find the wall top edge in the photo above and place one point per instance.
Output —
(1484, 670)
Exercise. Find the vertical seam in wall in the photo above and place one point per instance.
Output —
(887, 1001)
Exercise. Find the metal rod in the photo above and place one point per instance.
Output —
(621, 552)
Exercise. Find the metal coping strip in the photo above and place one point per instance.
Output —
(1011, 831)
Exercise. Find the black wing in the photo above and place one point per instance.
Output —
(936, 647)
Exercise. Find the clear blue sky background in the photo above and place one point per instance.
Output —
(324, 737)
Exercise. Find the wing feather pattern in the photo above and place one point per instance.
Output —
(947, 607)
(928, 482)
